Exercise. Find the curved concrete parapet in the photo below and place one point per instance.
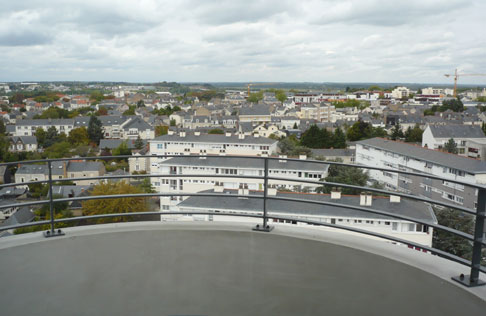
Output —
(224, 269)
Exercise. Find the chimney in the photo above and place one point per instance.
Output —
(394, 199)
(303, 157)
(64, 170)
(197, 133)
(365, 199)
(228, 134)
(218, 188)
(242, 191)
(336, 194)
(271, 191)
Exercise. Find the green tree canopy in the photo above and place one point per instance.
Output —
(451, 146)
(95, 131)
(414, 135)
(216, 131)
(345, 175)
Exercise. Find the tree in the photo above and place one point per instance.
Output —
(359, 130)
(397, 132)
(102, 111)
(139, 143)
(3, 129)
(117, 205)
(313, 137)
(455, 105)
(280, 95)
(172, 122)
(58, 150)
(451, 146)
(140, 104)
(40, 134)
(345, 175)
(255, 97)
(338, 139)
(130, 111)
(78, 136)
(414, 135)
(122, 150)
(95, 131)
(51, 136)
(161, 130)
(146, 186)
(449, 242)
(216, 131)
(295, 126)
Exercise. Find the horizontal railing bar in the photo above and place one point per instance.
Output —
(430, 176)
(350, 186)
(335, 226)
(404, 195)
(323, 203)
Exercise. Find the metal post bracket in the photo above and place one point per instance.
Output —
(55, 233)
(261, 228)
(467, 281)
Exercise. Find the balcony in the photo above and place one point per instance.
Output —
(236, 267)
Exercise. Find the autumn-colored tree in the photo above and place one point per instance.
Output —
(115, 205)
(78, 136)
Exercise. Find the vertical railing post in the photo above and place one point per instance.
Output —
(52, 232)
(473, 279)
(265, 227)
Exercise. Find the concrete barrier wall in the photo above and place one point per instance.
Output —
(203, 269)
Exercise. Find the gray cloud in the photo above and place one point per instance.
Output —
(189, 40)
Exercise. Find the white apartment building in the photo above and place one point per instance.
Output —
(383, 153)
(470, 139)
(321, 112)
(400, 92)
(385, 225)
(218, 165)
(432, 91)
(28, 127)
(185, 143)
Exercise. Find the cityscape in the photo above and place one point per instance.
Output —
(348, 128)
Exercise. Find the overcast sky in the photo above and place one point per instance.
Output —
(272, 40)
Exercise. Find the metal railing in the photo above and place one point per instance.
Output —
(477, 240)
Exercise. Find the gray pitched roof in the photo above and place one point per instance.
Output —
(414, 209)
(215, 138)
(70, 190)
(39, 122)
(255, 110)
(138, 123)
(114, 143)
(434, 156)
(229, 162)
(24, 139)
(457, 131)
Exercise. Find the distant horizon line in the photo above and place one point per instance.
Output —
(247, 82)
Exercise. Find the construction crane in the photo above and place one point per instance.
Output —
(456, 76)
(258, 84)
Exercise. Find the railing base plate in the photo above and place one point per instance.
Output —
(464, 280)
(261, 228)
(56, 233)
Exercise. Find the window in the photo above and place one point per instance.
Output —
(394, 226)
(160, 146)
